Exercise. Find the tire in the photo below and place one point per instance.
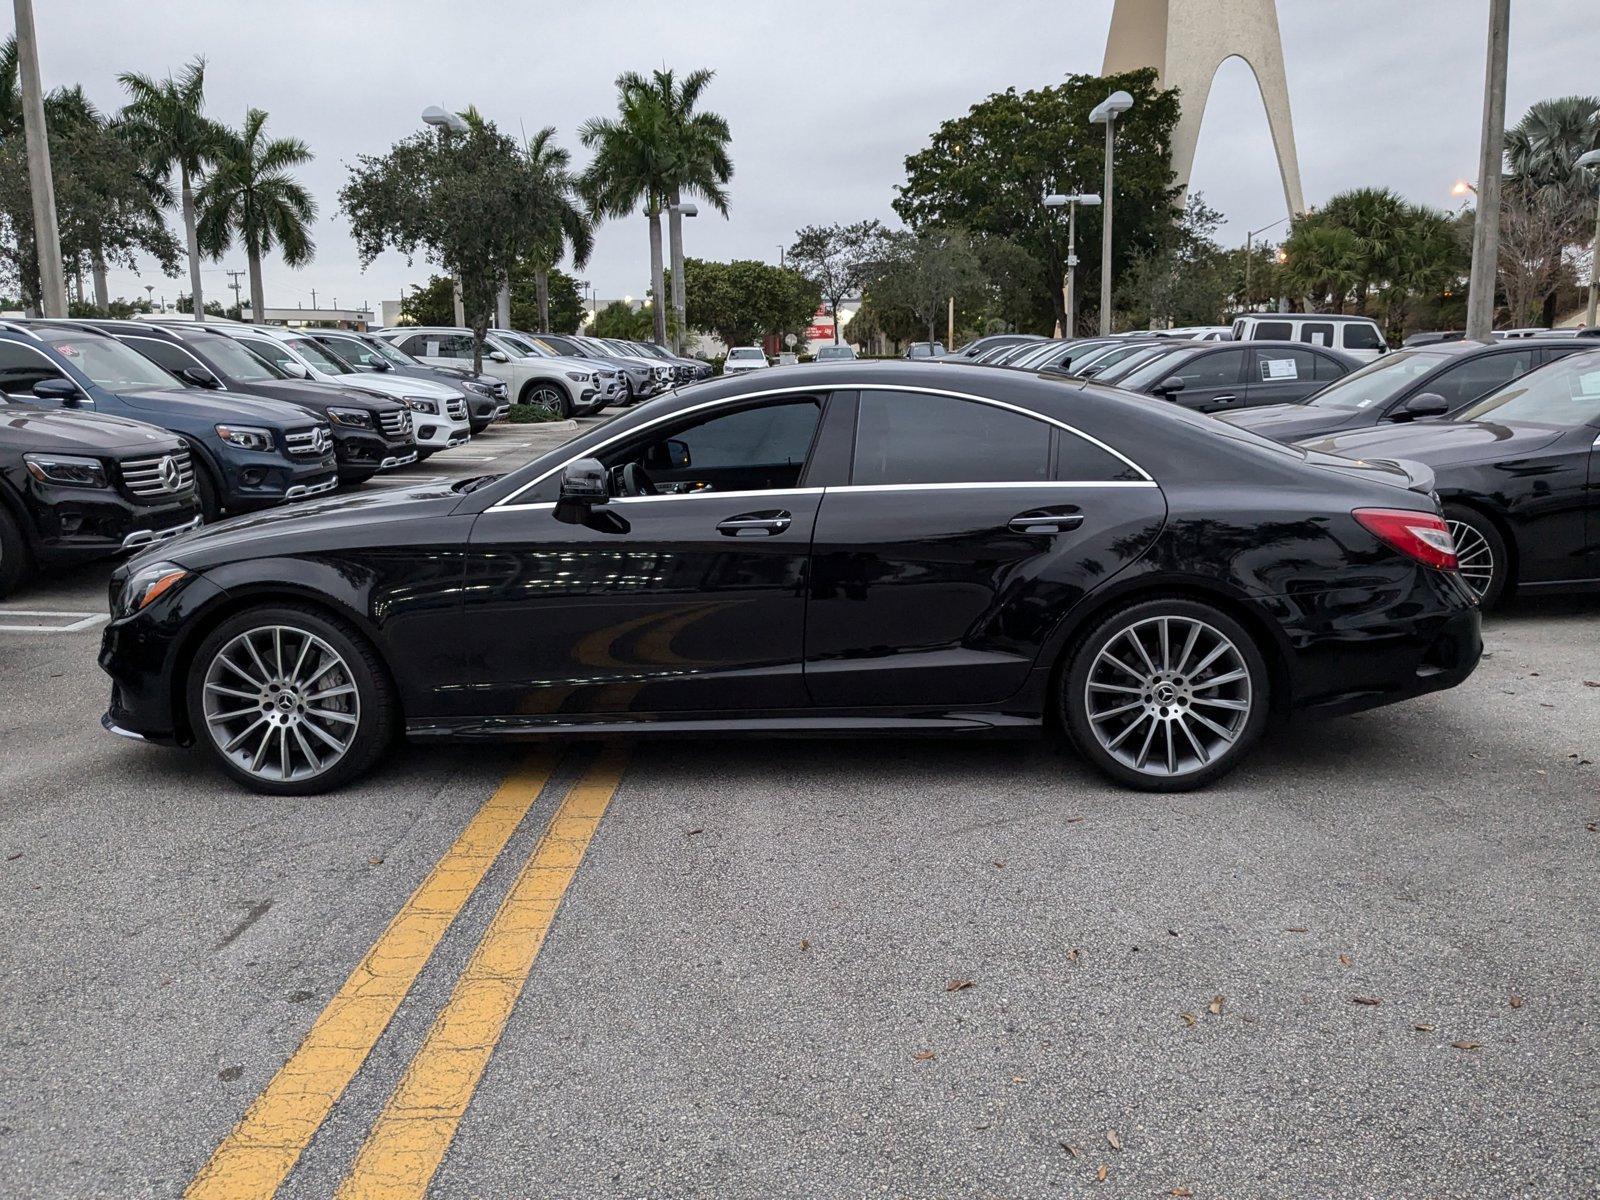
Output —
(551, 395)
(206, 491)
(1477, 539)
(339, 667)
(1190, 729)
(13, 554)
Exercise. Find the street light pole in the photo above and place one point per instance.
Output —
(1249, 253)
(46, 237)
(1069, 290)
(1105, 113)
(1486, 224)
(446, 123)
(676, 212)
(1592, 159)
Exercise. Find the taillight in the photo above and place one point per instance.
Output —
(1419, 535)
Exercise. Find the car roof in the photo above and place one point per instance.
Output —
(1272, 316)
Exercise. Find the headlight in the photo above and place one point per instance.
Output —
(580, 376)
(483, 389)
(663, 372)
(66, 469)
(248, 437)
(418, 404)
(148, 584)
(350, 416)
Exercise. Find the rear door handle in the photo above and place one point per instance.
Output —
(756, 524)
(1044, 521)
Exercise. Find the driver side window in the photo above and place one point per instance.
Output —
(763, 448)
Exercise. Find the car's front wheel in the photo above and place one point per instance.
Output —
(548, 396)
(1165, 695)
(290, 702)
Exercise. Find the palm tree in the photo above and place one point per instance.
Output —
(251, 193)
(570, 229)
(1377, 217)
(700, 165)
(632, 166)
(10, 90)
(1543, 148)
(164, 123)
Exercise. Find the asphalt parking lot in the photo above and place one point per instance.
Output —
(1363, 965)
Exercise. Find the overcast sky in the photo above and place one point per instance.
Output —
(825, 101)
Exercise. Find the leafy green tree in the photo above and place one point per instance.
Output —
(569, 229)
(986, 172)
(559, 299)
(1010, 286)
(471, 203)
(619, 319)
(433, 303)
(923, 271)
(838, 259)
(744, 300)
(1542, 152)
(1322, 262)
(250, 192)
(1378, 219)
(164, 122)
(1186, 282)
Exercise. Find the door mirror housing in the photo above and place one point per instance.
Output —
(63, 390)
(199, 377)
(1171, 385)
(1424, 404)
(498, 356)
(584, 483)
(294, 370)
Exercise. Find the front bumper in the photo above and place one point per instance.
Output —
(83, 524)
(141, 655)
(362, 453)
(438, 433)
(259, 480)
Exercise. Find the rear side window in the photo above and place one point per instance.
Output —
(1273, 331)
(1327, 369)
(1358, 335)
(21, 368)
(908, 437)
(1317, 333)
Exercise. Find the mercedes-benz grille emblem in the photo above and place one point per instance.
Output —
(324, 441)
(171, 478)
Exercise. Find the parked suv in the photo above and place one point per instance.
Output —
(686, 370)
(608, 378)
(247, 453)
(370, 434)
(79, 485)
(644, 377)
(439, 413)
(1359, 337)
(486, 396)
(568, 387)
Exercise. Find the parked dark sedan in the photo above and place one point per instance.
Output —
(862, 547)
(1216, 377)
(1519, 475)
(1424, 381)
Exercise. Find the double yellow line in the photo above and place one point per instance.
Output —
(409, 1139)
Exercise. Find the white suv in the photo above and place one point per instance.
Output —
(438, 411)
(565, 385)
(744, 358)
(1358, 337)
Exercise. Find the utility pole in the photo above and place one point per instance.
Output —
(1486, 224)
(313, 297)
(254, 316)
(47, 239)
(1106, 113)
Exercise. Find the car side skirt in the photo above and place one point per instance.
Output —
(773, 725)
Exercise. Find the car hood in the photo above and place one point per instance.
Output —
(73, 431)
(1439, 443)
(205, 405)
(1292, 422)
(304, 526)
(317, 396)
(397, 387)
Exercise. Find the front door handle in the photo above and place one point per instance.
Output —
(1224, 399)
(756, 524)
(1044, 520)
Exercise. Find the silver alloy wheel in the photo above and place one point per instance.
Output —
(550, 397)
(1474, 557)
(1168, 695)
(281, 704)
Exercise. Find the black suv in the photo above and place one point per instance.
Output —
(78, 485)
(247, 453)
(370, 433)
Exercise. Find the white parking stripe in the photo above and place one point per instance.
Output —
(76, 621)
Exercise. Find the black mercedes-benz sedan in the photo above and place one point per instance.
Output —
(1409, 385)
(863, 547)
(1519, 476)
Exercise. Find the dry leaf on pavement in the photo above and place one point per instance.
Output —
(1216, 1005)
(1296, 929)
(1371, 1000)
(1113, 1139)
(1423, 1028)
(1465, 1045)
(1516, 1002)
(958, 985)
(924, 1056)
(1072, 1151)
(1180, 1191)
(1072, 955)
(1102, 1173)
(1188, 1019)
(1344, 960)
(805, 943)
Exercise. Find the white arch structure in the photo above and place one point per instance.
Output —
(1186, 41)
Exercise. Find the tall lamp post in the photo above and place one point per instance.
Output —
(1069, 291)
(1106, 113)
(1592, 161)
(1249, 247)
(446, 123)
(676, 213)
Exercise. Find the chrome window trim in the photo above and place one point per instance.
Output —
(800, 390)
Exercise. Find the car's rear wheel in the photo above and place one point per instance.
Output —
(289, 702)
(1165, 695)
(548, 395)
(1480, 553)
(13, 554)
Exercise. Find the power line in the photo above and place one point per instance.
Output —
(235, 286)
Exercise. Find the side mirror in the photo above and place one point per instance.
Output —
(1424, 404)
(1170, 386)
(1088, 372)
(670, 455)
(63, 390)
(498, 356)
(584, 483)
(200, 377)
(294, 370)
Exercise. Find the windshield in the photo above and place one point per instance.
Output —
(357, 352)
(745, 353)
(836, 352)
(320, 358)
(1565, 393)
(109, 363)
(1378, 382)
(620, 348)
(513, 345)
(238, 362)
